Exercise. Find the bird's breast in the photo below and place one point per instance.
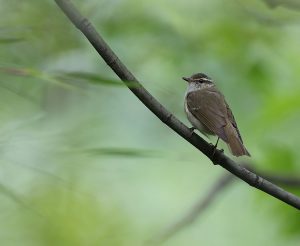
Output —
(194, 121)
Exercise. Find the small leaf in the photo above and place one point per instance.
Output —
(94, 79)
(14, 71)
(10, 40)
(27, 72)
(124, 152)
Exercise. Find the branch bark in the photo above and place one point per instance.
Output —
(164, 115)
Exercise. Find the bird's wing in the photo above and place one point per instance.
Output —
(209, 107)
(233, 122)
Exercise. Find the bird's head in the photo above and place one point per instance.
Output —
(200, 78)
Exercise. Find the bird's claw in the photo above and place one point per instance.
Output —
(214, 149)
(192, 130)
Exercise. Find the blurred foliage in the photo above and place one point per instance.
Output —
(84, 163)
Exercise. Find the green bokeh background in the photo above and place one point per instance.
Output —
(83, 162)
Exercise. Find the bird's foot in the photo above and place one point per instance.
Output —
(214, 157)
(192, 129)
(215, 147)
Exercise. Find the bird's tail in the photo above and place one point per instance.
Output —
(234, 142)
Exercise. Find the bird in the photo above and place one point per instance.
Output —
(208, 112)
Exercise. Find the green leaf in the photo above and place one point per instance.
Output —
(28, 72)
(122, 152)
(93, 79)
(4, 40)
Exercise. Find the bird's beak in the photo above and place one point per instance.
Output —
(186, 79)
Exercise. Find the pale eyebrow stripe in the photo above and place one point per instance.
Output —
(205, 79)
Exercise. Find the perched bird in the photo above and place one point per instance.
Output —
(208, 112)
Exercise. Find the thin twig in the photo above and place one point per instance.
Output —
(200, 206)
(289, 4)
(288, 181)
(204, 202)
(217, 157)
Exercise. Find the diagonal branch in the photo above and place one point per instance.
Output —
(284, 180)
(198, 208)
(291, 182)
(290, 4)
(203, 203)
(217, 157)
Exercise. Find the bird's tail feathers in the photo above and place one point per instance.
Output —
(234, 142)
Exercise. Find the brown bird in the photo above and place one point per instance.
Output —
(208, 112)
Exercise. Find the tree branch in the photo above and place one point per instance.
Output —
(164, 115)
(285, 180)
(290, 4)
(199, 207)
(204, 202)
